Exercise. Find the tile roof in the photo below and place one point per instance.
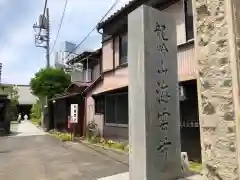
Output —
(130, 5)
(81, 84)
(81, 57)
(128, 8)
(25, 95)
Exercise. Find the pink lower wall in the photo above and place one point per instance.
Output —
(91, 116)
(112, 80)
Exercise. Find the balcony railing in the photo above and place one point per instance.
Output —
(83, 76)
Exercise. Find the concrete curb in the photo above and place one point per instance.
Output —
(105, 148)
(117, 155)
(39, 127)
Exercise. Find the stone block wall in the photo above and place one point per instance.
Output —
(216, 88)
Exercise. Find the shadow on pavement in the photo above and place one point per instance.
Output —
(14, 133)
(14, 129)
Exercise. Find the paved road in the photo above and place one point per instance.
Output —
(26, 128)
(42, 157)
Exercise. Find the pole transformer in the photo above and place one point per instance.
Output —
(42, 36)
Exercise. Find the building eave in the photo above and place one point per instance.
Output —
(83, 56)
(122, 11)
(128, 8)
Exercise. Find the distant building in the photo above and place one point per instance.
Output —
(61, 56)
(0, 72)
(26, 98)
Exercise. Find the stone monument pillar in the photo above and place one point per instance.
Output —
(218, 88)
(154, 121)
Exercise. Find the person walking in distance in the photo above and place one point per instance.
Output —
(19, 118)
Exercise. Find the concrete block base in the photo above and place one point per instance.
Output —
(125, 176)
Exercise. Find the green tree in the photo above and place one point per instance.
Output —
(49, 82)
(14, 96)
(36, 113)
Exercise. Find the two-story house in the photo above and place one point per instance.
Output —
(82, 77)
(107, 98)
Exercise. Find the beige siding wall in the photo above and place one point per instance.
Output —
(96, 72)
(107, 55)
(186, 63)
(113, 80)
(177, 11)
(186, 71)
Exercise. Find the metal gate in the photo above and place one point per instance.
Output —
(4, 121)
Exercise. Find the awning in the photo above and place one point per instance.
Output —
(64, 96)
(111, 92)
(108, 87)
(183, 78)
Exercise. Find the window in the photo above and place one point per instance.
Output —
(123, 48)
(117, 109)
(99, 105)
(189, 19)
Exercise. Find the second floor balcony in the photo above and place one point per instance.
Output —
(90, 66)
(86, 75)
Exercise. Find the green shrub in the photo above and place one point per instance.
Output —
(108, 143)
(118, 146)
(65, 137)
(36, 111)
(94, 140)
(61, 136)
(92, 130)
(194, 166)
(14, 96)
(36, 122)
(126, 148)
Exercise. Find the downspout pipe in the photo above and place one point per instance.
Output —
(85, 115)
(98, 30)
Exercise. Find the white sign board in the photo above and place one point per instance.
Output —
(74, 113)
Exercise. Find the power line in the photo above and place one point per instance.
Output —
(60, 25)
(114, 4)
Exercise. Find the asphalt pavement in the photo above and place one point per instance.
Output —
(39, 156)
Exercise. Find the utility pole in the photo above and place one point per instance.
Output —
(42, 39)
(42, 36)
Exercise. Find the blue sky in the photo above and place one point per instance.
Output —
(20, 58)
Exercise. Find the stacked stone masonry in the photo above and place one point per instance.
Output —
(215, 91)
